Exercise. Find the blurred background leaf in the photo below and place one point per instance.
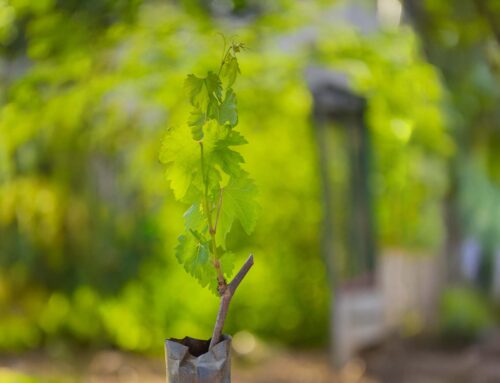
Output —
(88, 224)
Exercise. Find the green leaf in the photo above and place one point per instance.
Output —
(238, 202)
(192, 252)
(213, 133)
(235, 138)
(227, 261)
(230, 71)
(195, 257)
(227, 112)
(194, 86)
(205, 93)
(217, 142)
(229, 160)
(214, 85)
(182, 156)
(194, 218)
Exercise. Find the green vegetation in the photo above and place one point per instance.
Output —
(462, 40)
(206, 172)
(87, 231)
(8, 376)
(464, 315)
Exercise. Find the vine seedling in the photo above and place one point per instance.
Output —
(204, 171)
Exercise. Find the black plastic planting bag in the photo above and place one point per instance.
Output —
(190, 361)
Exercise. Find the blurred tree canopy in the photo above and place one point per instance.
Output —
(463, 40)
(87, 224)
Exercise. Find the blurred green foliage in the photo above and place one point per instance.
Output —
(463, 40)
(409, 137)
(463, 315)
(87, 224)
(8, 376)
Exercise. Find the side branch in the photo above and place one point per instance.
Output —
(226, 299)
(241, 274)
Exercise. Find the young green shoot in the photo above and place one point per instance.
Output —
(204, 170)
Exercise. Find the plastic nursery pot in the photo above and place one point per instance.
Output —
(190, 361)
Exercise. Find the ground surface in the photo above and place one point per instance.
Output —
(116, 367)
(393, 362)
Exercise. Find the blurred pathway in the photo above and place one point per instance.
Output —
(394, 362)
(118, 367)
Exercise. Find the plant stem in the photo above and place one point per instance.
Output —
(221, 282)
(205, 186)
(223, 60)
(226, 299)
(226, 291)
(218, 210)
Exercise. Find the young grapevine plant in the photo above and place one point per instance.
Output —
(204, 170)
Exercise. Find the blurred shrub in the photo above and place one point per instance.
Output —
(406, 121)
(87, 225)
(463, 315)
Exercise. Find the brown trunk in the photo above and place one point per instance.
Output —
(226, 297)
